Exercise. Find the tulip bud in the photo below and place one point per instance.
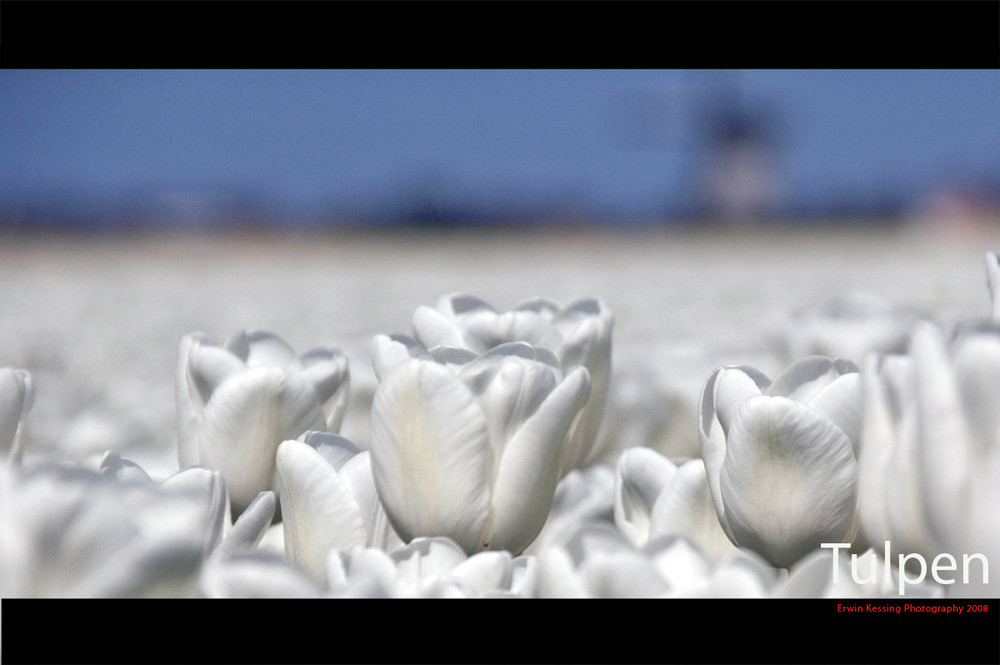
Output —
(238, 401)
(781, 456)
(471, 447)
(579, 334)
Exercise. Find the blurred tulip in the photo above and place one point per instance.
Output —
(579, 334)
(780, 456)
(864, 577)
(238, 401)
(849, 326)
(255, 574)
(930, 459)
(70, 532)
(654, 497)
(993, 283)
(584, 496)
(429, 568)
(328, 501)
(471, 446)
(16, 395)
(596, 561)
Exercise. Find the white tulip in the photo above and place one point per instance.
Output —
(70, 532)
(865, 575)
(579, 334)
(931, 449)
(849, 326)
(255, 574)
(780, 456)
(328, 501)
(16, 395)
(471, 447)
(238, 401)
(654, 497)
(890, 481)
(596, 561)
(585, 495)
(429, 568)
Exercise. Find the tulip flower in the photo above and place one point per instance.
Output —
(16, 395)
(579, 334)
(890, 481)
(931, 449)
(470, 446)
(849, 327)
(238, 401)
(584, 495)
(255, 574)
(328, 500)
(429, 568)
(70, 532)
(780, 456)
(655, 497)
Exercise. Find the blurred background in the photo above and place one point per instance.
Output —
(137, 206)
(326, 149)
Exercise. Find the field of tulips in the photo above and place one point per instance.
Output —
(531, 415)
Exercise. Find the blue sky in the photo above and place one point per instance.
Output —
(618, 143)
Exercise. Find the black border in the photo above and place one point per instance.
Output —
(468, 631)
(468, 34)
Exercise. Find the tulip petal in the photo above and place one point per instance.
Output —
(387, 350)
(725, 389)
(209, 488)
(944, 435)
(255, 575)
(334, 448)
(431, 454)
(899, 482)
(531, 465)
(433, 328)
(248, 416)
(684, 507)
(789, 479)
(993, 282)
(463, 304)
(249, 529)
(327, 370)
(460, 320)
(640, 476)
(841, 402)
(318, 510)
(357, 474)
(208, 367)
(509, 387)
(427, 557)
(260, 348)
(882, 427)
(542, 305)
(976, 361)
(452, 356)
(16, 394)
(733, 385)
(124, 470)
(680, 562)
(484, 572)
(806, 377)
(522, 326)
(587, 342)
(189, 403)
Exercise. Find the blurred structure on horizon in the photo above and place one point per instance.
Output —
(447, 149)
